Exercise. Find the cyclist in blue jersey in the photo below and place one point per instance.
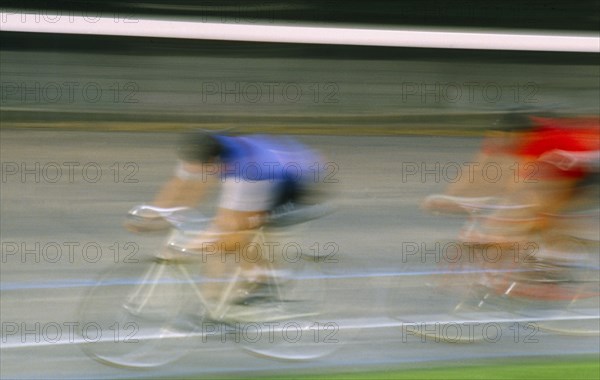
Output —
(260, 175)
(264, 180)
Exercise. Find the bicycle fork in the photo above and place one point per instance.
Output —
(143, 292)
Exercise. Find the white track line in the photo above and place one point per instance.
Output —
(18, 21)
(347, 324)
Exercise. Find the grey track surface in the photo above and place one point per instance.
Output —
(378, 212)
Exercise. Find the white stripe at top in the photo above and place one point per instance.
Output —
(17, 21)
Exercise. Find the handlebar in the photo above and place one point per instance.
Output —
(182, 218)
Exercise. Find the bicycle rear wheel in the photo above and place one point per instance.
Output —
(127, 319)
(580, 315)
(557, 293)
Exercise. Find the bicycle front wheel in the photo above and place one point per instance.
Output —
(300, 323)
(127, 318)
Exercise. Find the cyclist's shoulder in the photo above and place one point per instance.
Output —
(572, 134)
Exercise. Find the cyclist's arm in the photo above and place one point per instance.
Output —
(186, 188)
(566, 160)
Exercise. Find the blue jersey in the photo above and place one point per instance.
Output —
(266, 158)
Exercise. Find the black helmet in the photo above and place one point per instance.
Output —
(198, 146)
(513, 122)
(519, 119)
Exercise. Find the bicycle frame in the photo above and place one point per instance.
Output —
(178, 258)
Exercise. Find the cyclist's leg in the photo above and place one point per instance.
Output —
(243, 210)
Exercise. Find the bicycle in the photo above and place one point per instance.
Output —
(549, 281)
(158, 313)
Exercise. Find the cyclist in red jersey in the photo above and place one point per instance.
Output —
(544, 182)
(543, 163)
